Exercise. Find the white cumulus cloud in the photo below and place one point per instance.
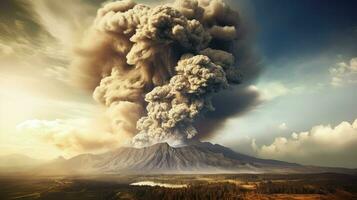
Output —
(322, 145)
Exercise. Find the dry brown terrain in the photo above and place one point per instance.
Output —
(230, 186)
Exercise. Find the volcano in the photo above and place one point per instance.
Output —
(197, 157)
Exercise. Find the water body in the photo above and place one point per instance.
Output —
(166, 185)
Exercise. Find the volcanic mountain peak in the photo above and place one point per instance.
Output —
(195, 157)
(159, 147)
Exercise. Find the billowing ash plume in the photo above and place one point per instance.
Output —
(173, 107)
(157, 68)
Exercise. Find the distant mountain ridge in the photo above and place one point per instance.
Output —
(18, 162)
(197, 157)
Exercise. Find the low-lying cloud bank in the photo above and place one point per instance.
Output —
(322, 145)
(73, 136)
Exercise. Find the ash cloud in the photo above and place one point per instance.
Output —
(229, 103)
(156, 69)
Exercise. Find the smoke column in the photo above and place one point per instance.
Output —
(156, 69)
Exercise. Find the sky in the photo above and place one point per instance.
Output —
(307, 106)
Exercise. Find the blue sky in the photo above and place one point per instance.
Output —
(299, 41)
(303, 28)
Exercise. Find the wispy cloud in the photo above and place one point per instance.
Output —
(5, 50)
(344, 73)
(272, 90)
(283, 127)
(72, 136)
(43, 33)
(64, 20)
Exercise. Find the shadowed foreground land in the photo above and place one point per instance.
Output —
(242, 186)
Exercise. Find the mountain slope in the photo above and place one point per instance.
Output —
(161, 158)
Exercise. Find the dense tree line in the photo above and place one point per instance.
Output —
(292, 187)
